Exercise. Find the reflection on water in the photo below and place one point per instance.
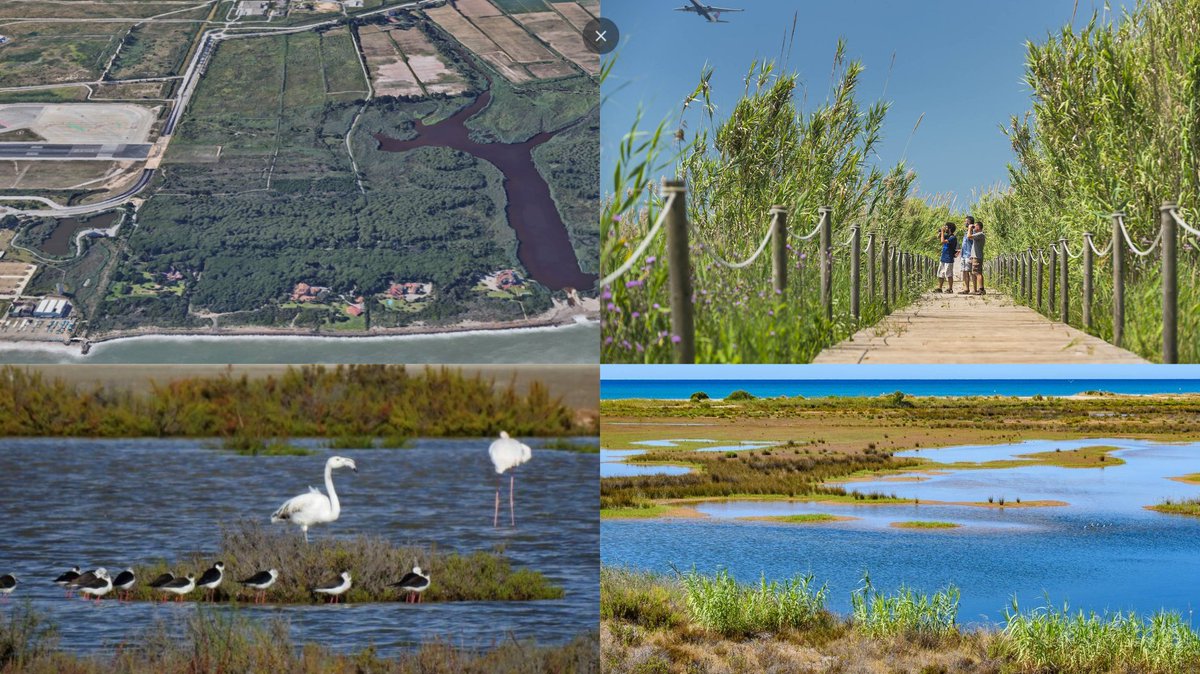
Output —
(117, 503)
(1102, 551)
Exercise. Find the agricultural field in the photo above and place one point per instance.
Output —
(429, 66)
(102, 9)
(563, 36)
(390, 74)
(404, 62)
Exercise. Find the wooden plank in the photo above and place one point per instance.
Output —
(940, 328)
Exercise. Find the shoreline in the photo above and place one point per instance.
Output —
(255, 333)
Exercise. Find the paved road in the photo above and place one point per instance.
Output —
(59, 152)
(940, 328)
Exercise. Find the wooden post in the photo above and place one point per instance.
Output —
(1170, 282)
(779, 248)
(826, 213)
(1053, 294)
(894, 261)
(679, 268)
(873, 246)
(883, 276)
(1029, 268)
(1041, 267)
(1087, 281)
(1064, 302)
(1118, 265)
(855, 271)
(900, 274)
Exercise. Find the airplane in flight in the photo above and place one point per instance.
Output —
(713, 14)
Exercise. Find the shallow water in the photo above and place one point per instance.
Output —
(115, 503)
(1102, 551)
(612, 464)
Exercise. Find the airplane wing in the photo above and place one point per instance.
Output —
(723, 9)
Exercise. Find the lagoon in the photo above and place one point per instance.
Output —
(116, 503)
(1102, 551)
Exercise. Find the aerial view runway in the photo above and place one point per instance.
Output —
(56, 151)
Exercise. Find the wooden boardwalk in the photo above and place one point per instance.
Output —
(940, 328)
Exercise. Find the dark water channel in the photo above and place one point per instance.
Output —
(59, 242)
(542, 242)
(115, 503)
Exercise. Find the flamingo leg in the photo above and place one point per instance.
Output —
(496, 516)
(512, 513)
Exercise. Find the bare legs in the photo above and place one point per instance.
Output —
(496, 515)
(512, 513)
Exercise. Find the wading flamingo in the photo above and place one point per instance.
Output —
(314, 507)
(506, 455)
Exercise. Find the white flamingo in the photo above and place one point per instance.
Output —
(314, 507)
(506, 455)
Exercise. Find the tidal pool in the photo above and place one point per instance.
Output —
(1103, 550)
(116, 503)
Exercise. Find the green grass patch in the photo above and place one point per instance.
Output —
(249, 546)
(1189, 507)
(634, 512)
(924, 524)
(806, 518)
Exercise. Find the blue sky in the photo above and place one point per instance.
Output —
(875, 372)
(961, 63)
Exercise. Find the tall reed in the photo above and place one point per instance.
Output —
(722, 604)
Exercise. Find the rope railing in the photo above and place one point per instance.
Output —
(711, 250)
(1129, 241)
(641, 248)
(1025, 273)
(894, 265)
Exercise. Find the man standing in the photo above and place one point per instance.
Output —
(949, 248)
(977, 239)
(964, 258)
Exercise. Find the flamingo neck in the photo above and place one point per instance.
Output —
(335, 508)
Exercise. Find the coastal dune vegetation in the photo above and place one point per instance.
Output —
(769, 150)
(694, 623)
(1112, 127)
(378, 401)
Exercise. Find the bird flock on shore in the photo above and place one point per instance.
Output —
(304, 511)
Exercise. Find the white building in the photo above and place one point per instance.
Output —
(52, 307)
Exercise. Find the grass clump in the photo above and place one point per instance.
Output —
(917, 617)
(221, 641)
(698, 396)
(740, 395)
(25, 637)
(721, 604)
(248, 547)
(1052, 640)
(369, 442)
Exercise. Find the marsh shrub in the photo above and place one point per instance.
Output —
(641, 598)
(722, 604)
(248, 546)
(740, 395)
(699, 395)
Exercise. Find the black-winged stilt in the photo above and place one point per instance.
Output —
(124, 583)
(180, 586)
(98, 586)
(260, 582)
(335, 589)
(414, 583)
(8, 583)
(212, 579)
(66, 577)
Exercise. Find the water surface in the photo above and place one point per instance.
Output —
(1102, 551)
(116, 503)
